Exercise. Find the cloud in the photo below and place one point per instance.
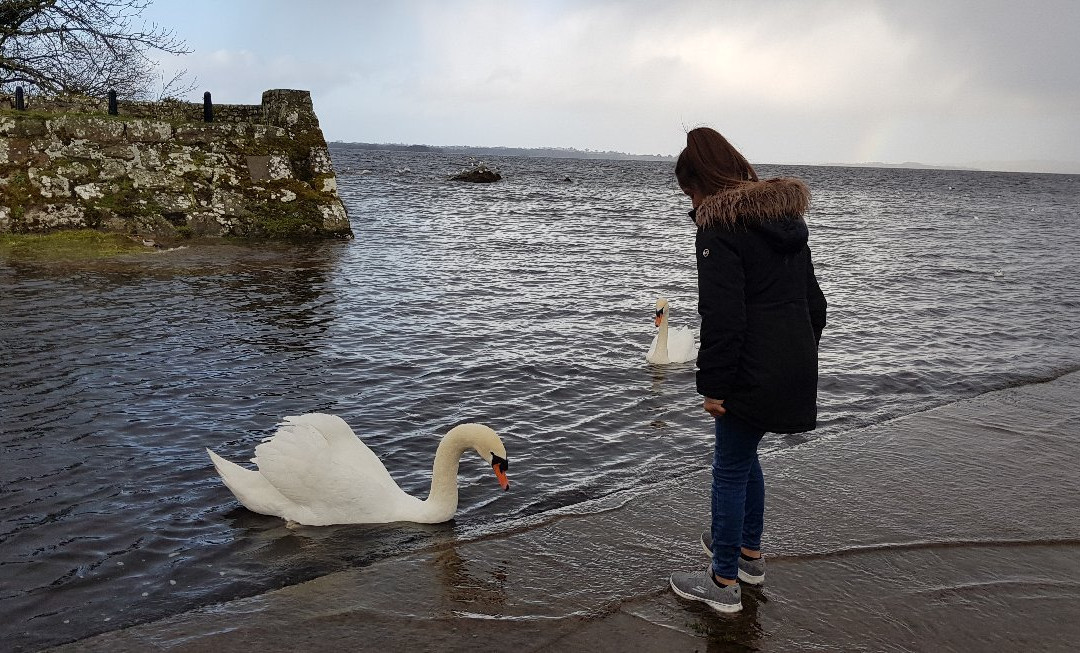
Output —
(241, 76)
(1018, 50)
(794, 81)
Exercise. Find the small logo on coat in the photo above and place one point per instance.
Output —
(705, 253)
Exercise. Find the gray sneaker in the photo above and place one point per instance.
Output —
(751, 572)
(699, 586)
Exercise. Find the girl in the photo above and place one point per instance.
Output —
(762, 314)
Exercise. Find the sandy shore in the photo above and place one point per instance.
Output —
(953, 529)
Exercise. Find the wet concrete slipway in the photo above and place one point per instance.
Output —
(957, 528)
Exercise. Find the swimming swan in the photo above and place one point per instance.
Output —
(315, 471)
(670, 345)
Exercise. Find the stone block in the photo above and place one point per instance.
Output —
(28, 127)
(51, 146)
(182, 160)
(122, 152)
(335, 218)
(74, 171)
(87, 128)
(101, 131)
(174, 203)
(225, 177)
(279, 167)
(227, 203)
(89, 191)
(48, 185)
(145, 156)
(288, 108)
(149, 131)
(205, 224)
(81, 149)
(18, 150)
(54, 216)
(113, 169)
(258, 167)
(320, 161)
(155, 180)
(195, 134)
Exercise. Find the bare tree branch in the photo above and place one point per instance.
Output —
(84, 47)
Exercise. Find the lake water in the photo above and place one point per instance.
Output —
(525, 304)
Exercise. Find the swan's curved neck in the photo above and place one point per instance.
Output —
(662, 339)
(443, 496)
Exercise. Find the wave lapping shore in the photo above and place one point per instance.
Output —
(957, 528)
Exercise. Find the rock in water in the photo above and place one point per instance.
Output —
(479, 174)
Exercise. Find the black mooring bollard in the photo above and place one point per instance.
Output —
(20, 103)
(112, 104)
(207, 108)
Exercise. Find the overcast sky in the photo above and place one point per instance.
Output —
(939, 82)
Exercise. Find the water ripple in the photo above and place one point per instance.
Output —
(525, 305)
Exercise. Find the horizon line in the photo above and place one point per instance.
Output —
(1030, 166)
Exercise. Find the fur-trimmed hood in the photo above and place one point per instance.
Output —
(754, 202)
(772, 208)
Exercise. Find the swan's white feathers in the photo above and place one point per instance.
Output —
(681, 346)
(317, 462)
(315, 471)
(250, 487)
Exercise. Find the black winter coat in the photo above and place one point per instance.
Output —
(762, 311)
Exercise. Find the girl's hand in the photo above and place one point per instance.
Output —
(714, 407)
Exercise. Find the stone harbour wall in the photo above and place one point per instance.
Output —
(259, 171)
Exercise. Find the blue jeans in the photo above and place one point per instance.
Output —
(738, 494)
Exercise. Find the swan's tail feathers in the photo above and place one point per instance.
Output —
(226, 468)
(251, 488)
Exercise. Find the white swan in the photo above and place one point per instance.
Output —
(670, 345)
(315, 471)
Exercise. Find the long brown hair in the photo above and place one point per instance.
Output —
(709, 164)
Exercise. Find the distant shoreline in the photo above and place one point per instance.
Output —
(537, 152)
(908, 165)
(1036, 168)
(1027, 167)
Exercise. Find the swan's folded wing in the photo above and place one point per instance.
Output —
(320, 469)
(681, 345)
(334, 429)
(652, 349)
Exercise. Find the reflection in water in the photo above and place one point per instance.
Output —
(292, 301)
(658, 373)
(475, 590)
(730, 632)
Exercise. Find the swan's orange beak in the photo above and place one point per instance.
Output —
(658, 318)
(501, 475)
